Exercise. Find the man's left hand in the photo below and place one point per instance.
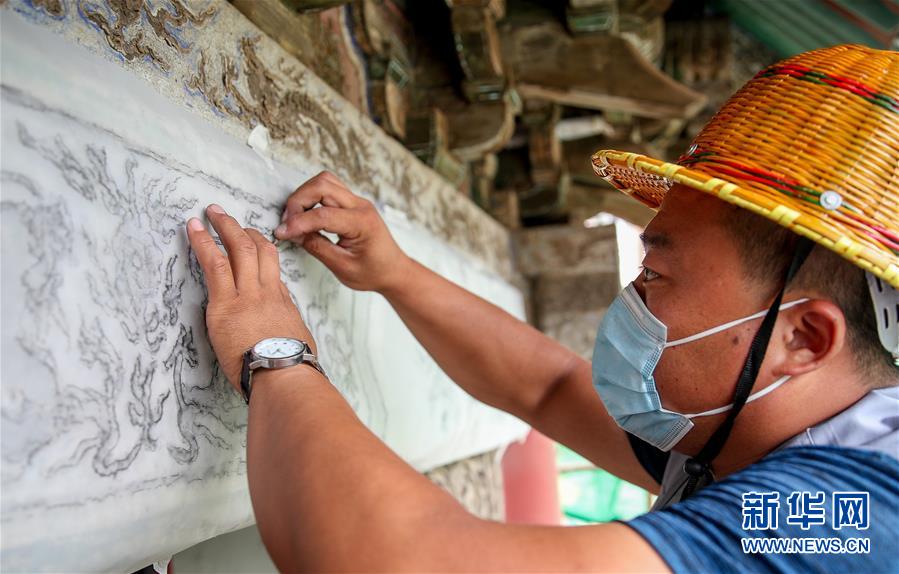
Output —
(248, 301)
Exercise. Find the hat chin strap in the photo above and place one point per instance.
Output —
(700, 466)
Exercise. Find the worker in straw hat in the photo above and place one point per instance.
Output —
(747, 376)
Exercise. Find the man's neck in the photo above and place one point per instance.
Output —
(762, 428)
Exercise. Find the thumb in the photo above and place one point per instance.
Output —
(333, 256)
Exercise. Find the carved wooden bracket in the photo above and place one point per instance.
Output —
(477, 129)
(478, 46)
(593, 71)
(384, 35)
(548, 174)
(544, 147)
(427, 137)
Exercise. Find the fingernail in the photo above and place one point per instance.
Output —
(215, 208)
(280, 230)
(284, 216)
(195, 224)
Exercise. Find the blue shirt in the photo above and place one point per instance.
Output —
(719, 528)
(705, 533)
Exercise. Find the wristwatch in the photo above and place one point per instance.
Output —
(274, 353)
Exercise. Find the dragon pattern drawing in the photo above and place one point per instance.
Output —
(110, 388)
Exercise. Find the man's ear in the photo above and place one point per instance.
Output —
(813, 334)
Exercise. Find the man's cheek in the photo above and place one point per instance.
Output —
(699, 376)
(682, 380)
(668, 383)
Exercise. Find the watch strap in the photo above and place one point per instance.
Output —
(312, 361)
(245, 374)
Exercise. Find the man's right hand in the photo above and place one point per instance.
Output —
(366, 257)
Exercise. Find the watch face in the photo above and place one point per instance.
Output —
(278, 348)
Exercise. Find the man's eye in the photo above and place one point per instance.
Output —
(649, 274)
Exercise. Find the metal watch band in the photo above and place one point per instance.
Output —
(246, 373)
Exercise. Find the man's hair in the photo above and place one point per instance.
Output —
(766, 250)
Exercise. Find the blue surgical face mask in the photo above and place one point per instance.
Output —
(628, 346)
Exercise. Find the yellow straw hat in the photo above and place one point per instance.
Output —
(811, 142)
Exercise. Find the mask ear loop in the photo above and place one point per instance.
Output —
(699, 466)
(728, 325)
(772, 387)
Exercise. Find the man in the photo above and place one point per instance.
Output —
(733, 314)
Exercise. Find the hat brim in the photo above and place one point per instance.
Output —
(648, 180)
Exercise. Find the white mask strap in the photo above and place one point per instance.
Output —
(752, 397)
(727, 326)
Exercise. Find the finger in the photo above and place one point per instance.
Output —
(241, 249)
(267, 253)
(344, 222)
(333, 256)
(215, 266)
(325, 188)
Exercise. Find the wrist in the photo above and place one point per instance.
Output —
(270, 379)
(404, 278)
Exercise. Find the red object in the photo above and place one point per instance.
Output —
(530, 481)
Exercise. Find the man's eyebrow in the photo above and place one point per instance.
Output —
(655, 239)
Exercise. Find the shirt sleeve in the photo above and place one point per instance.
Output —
(706, 533)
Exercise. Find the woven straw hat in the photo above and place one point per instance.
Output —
(811, 142)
